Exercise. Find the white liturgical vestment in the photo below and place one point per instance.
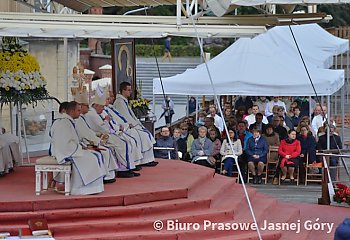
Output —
(87, 170)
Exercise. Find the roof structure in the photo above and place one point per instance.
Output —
(83, 5)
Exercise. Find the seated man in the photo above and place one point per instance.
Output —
(165, 141)
(125, 148)
(142, 137)
(258, 123)
(122, 106)
(95, 144)
(202, 149)
(257, 149)
(87, 172)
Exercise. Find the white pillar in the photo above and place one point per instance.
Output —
(65, 68)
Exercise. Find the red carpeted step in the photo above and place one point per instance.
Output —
(273, 235)
(142, 224)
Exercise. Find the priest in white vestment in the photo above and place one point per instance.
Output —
(122, 106)
(87, 168)
(88, 137)
(6, 159)
(142, 137)
(13, 143)
(127, 152)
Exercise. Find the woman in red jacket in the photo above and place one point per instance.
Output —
(289, 151)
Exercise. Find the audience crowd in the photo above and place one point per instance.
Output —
(254, 125)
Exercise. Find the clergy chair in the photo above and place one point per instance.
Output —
(48, 164)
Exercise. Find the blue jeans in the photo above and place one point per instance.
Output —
(228, 165)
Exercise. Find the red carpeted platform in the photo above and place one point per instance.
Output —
(177, 193)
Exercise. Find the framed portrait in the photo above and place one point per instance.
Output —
(123, 64)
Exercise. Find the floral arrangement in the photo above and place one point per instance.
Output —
(140, 107)
(20, 79)
(342, 193)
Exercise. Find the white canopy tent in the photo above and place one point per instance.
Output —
(310, 36)
(249, 67)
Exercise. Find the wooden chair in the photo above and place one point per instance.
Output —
(49, 164)
(296, 176)
(272, 161)
(235, 174)
(264, 174)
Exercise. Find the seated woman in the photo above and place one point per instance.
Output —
(227, 154)
(308, 150)
(257, 149)
(289, 151)
(202, 149)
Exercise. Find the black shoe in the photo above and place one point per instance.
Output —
(125, 174)
(255, 179)
(2, 174)
(11, 170)
(259, 179)
(150, 164)
(135, 174)
(109, 181)
(137, 168)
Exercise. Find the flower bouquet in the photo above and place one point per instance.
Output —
(20, 79)
(140, 107)
(342, 193)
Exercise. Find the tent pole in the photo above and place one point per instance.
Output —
(197, 103)
(342, 113)
(310, 107)
(347, 77)
(187, 106)
(328, 119)
(154, 104)
(335, 94)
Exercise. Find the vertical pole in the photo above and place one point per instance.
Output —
(65, 67)
(328, 119)
(187, 106)
(347, 77)
(19, 128)
(310, 107)
(197, 103)
(24, 134)
(342, 102)
(335, 94)
(178, 13)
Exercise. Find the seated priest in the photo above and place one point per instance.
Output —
(125, 147)
(122, 106)
(165, 141)
(12, 142)
(87, 170)
(142, 136)
(6, 160)
(95, 144)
